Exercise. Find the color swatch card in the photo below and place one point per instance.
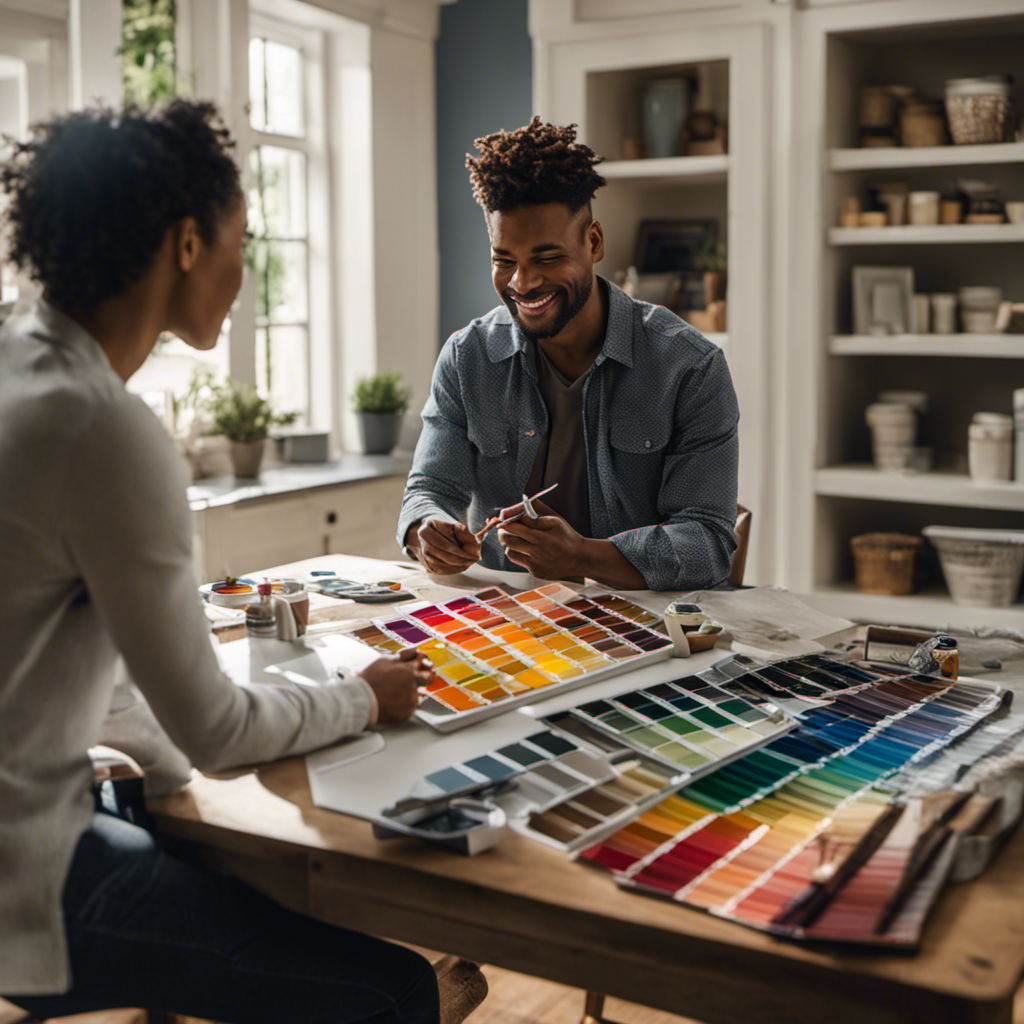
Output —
(493, 651)
(563, 791)
(687, 724)
(750, 839)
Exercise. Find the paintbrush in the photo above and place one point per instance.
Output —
(528, 509)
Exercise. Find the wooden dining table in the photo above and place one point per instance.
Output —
(531, 909)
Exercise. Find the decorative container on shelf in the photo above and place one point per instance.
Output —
(884, 562)
(978, 109)
(666, 106)
(983, 568)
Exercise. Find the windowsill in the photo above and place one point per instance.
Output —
(293, 478)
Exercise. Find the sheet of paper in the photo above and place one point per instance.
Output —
(766, 622)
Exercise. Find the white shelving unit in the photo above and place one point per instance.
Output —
(955, 489)
(691, 169)
(835, 493)
(975, 346)
(927, 234)
(925, 156)
(931, 608)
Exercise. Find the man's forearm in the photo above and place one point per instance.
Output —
(604, 562)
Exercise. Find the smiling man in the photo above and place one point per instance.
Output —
(624, 406)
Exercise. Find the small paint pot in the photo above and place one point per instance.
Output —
(681, 620)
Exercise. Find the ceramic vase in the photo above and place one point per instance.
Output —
(666, 105)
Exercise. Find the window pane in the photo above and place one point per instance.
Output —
(283, 82)
(148, 55)
(282, 368)
(277, 195)
(281, 282)
(257, 93)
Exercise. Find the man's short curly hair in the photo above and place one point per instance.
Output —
(538, 163)
(93, 193)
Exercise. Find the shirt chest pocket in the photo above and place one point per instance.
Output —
(491, 438)
(640, 435)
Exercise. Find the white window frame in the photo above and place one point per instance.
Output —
(314, 147)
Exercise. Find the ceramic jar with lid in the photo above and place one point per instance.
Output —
(893, 433)
(990, 446)
(978, 109)
(923, 123)
(924, 207)
(979, 308)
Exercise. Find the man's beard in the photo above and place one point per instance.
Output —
(568, 312)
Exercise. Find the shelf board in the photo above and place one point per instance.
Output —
(933, 609)
(925, 156)
(923, 234)
(994, 346)
(695, 169)
(862, 480)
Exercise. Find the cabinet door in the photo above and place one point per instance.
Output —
(251, 535)
(360, 518)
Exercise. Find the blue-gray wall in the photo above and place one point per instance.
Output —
(484, 83)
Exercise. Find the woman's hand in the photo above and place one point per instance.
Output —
(395, 681)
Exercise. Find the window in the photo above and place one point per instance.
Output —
(284, 162)
(148, 53)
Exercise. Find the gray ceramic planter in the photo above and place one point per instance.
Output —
(246, 457)
(379, 431)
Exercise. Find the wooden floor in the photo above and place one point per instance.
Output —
(519, 999)
(512, 999)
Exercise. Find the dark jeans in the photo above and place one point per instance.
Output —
(147, 929)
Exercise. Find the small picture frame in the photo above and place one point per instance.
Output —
(673, 245)
(883, 300)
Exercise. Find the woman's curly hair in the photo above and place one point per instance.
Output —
(538, 163)
(93, 193)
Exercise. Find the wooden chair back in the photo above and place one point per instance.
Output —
(739, 556)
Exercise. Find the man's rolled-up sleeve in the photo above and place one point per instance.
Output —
(692, 547)
(440, 481)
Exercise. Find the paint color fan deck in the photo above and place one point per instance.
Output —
(493, 651)
(762, 836)
(565, 792)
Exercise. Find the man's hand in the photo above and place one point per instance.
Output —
(395, 681)
(444, 548)
(546, 546)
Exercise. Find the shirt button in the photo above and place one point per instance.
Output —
(647, 444)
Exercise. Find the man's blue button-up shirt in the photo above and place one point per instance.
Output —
(660, 417)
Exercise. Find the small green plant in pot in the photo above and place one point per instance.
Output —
(379, 402)
(244, 417)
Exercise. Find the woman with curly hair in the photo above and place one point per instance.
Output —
(133, 224)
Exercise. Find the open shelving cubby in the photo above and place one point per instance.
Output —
(654, 188)
(962, 373)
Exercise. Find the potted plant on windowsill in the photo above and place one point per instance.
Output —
(379, 402)
(244, 417)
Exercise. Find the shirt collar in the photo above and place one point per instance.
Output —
(618, 339)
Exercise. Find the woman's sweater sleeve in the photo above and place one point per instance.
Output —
(129, 530)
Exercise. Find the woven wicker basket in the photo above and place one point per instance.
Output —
(883, 563)
(983, 568)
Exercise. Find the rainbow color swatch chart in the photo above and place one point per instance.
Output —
(493, 651)
(745, 842)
